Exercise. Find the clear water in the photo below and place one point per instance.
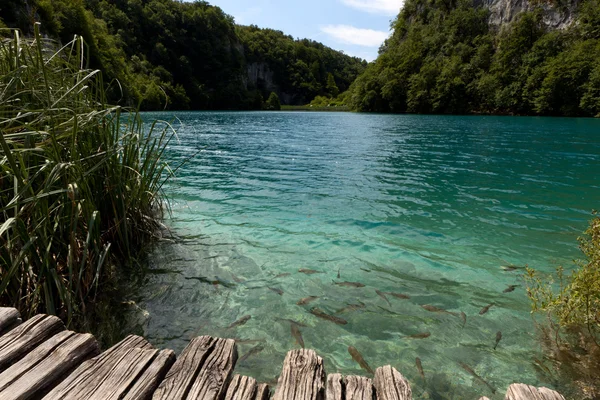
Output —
(427, 206)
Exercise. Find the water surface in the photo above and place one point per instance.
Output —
(430, 207)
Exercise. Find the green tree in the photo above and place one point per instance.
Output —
(331, 87)
(273, 102)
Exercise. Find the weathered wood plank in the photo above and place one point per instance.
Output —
(91, 373)
(549, 394)
(302, 377)
(216, 372)
(46, 364)
(9, 318)
(146, 384)
(389, 384)
(334, 390)
(263, 392)
(121, 376)
(521, 391)
(178, 382)
(358, 388)
(484, 398)
(21, 340)
(241, 388)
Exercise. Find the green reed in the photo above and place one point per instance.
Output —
(80, 180)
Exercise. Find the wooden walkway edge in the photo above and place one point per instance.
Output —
(40, 359)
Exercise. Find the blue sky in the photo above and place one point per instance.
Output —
(358, 27)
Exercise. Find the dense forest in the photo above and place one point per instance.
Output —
(444, 57)
(170, 54)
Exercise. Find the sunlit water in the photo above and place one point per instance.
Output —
(427, 206)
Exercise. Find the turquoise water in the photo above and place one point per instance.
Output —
(427, 206)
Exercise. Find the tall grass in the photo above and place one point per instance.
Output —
(80, 180)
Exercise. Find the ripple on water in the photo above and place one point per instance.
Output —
(425, 207)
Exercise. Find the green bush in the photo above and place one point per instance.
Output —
(575, 303)
(273, 103)
(80, 180)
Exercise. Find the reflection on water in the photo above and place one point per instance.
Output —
(390, 231)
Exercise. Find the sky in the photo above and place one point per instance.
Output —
(357, 27)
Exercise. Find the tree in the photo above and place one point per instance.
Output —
(273, 102)
(331, 87)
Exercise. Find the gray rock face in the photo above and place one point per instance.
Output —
(505, 11)
(260, 76)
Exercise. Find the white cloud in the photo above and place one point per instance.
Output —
(386, 7)
(352, 35)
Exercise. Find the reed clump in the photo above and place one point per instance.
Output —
(80, 180)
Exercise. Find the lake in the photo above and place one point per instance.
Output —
(429, 208)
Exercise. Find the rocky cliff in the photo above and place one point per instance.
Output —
(554, 16)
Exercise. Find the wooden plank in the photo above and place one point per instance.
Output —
(147, 383)
(358, 388)
(549, 394)
(92, 372)
(263, 392)
(178, 382)
(241, 388)
(521, 391)
(121, 376)
(45, 365)
(389, 384)
(484, 398)
(334, 390)
(9, 318)
(216, 372)
(302, 377)
(21, 340)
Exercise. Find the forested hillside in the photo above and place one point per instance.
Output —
(165, 53)
(444, 57)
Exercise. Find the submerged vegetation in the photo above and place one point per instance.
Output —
(445, 57)
(80, 180)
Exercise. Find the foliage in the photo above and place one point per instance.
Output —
(445, 58)
(181, 55)
(273, 103)
(301, 69)
(577, 301)
(80, 180)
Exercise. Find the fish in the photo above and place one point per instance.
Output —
(240, 321)
(338, 276)
(349, 284)
(382, 295)
(485, 309)
(322, 314)
(278, 291)
(510, 267)
(498, 339)
(356, 356)
(291, 321)
(366, 270)
(399, 295)
(423, 335)
(420, 367)
(297, 334)
(463, 316)
(309, 271)
(283, 275)
(237, 278)
(253, 351)
(509, 289)
(542, 366)
(351, 307)
(480, 379)
(306, 300)
(431, 308)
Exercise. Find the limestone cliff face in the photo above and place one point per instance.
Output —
(505, 11)
(260, 76)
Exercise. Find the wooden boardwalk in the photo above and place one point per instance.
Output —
(40, 359)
